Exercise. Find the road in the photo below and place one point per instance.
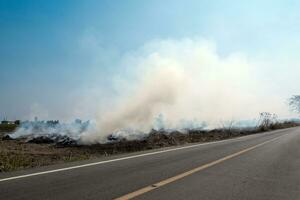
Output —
(261, 166)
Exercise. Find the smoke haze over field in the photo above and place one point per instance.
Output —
(183, 81)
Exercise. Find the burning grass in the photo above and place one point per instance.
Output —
(22, 154)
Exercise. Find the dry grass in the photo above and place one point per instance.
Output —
(4, 128)
(19, 155)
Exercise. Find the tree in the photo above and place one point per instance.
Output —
(294, 103)
(267, 120)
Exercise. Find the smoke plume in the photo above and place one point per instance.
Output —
(181, 83)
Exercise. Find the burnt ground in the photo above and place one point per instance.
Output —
(22, 154)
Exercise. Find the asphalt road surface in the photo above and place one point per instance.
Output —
(261, 166)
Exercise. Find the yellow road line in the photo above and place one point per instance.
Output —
(190, 172)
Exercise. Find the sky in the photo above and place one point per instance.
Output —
(67, 59)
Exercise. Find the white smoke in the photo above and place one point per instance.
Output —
(182, 80)
(51, 129)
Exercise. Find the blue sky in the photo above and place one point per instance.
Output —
(54, 52)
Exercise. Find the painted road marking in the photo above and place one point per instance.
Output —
(120, 159)
(190, 172)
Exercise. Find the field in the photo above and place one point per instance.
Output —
(21, 154)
